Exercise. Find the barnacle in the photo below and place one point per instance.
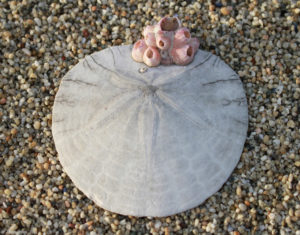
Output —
(167, 38)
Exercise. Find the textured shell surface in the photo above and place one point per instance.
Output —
(149, 141)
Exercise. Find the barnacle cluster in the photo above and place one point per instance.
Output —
(165, 43)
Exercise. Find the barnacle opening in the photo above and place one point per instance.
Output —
(161, 43)
(169, 24)
(187, 34)
(189, 51)
(149, 54)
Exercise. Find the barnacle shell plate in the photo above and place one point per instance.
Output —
(149, 142)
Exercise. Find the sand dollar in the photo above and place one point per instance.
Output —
(149, 141)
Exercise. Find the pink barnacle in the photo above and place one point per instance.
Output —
(182, 37)
(163, 41)
(167, 24)
(138, 50)
(194, 42)
(151, 57)
(148, 29)
(183, 55)
(167, 43)
(149, 36)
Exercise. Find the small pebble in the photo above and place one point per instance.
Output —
(39, 186)
(37, 125)
(226, 10)
(2, 101)
(242, 206)
(291, 124)
(9, 161)
(7, 192)
(13, 228)
(239, 191)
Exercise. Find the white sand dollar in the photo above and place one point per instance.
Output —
(149, 141)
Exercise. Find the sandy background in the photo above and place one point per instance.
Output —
(41, 40)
